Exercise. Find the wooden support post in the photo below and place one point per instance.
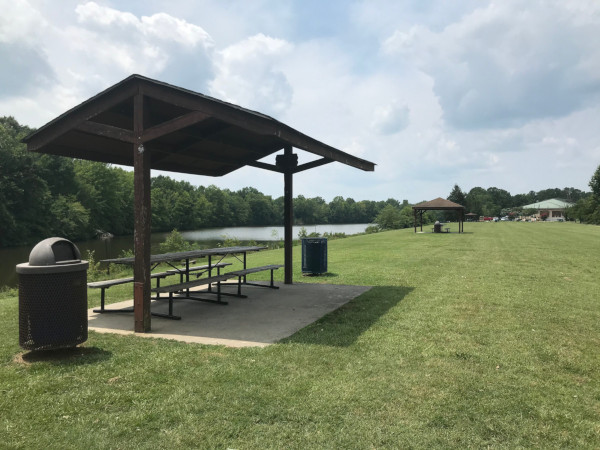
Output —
(288, 163)
(141, 181)
(288, 224)
(415, 217)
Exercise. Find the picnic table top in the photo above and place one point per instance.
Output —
(176, 256)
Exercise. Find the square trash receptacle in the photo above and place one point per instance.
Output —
(314, 255)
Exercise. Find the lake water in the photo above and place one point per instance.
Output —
(207, 238)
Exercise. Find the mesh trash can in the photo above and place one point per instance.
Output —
(53, 297)
(314, 255)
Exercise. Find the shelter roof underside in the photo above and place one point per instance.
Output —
(184, 131)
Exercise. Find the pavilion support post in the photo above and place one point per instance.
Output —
(141, 181)
(288, 163)
(415, 217)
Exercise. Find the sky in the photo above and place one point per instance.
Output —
(436, 93)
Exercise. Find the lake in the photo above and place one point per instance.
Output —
(207, 238)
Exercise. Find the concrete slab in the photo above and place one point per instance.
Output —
(265, 317)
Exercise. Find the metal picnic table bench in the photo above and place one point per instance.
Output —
(179, 288)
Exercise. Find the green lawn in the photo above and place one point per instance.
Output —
(489, 338)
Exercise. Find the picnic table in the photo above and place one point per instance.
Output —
(173, 258)
(182, 290)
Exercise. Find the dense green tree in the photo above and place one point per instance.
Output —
(457, 195)
(595, 183)
(339, 211)
(107, 192)
(521, 200)
(220, 211)
(587, 209)
(25, 198)
(499, 198)
(69, 218)
(476, 200)
(261, 209)
(389, 218)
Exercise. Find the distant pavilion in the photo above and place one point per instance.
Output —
(439, 204)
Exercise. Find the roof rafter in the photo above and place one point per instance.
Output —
(172, 125)
(109, 131)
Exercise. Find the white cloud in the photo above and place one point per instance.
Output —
(157, 45)
(478, 93)
(61, 65)
(503, 64)
(391, 118)
(26, 70)
(248, 74)
(21, 22)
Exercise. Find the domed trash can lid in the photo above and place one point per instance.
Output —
(53, 255)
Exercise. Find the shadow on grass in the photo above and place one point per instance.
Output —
(343, 326)
(451, 232)
(321, 275)
(66, 356)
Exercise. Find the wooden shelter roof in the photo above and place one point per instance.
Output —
(439, 204)
(186, 132)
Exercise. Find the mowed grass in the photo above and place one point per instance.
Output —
(489, 338)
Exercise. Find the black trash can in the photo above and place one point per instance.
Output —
(53, 297)
(314, 255)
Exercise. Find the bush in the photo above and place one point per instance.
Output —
(333, 235)
(229, 241)
(372, 229)
(174, 242)
(94, 269)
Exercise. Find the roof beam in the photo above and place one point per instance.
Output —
(262, 165)
(81, 113)
(161, 156)
(92, 155)
(197, 144)
(108, 131)
(313, 164)
(173, 125)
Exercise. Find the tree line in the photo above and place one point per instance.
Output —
(587, 209)
(44, 195)
(496, 202)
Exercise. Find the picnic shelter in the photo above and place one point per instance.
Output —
(439, 204)
(148, 124)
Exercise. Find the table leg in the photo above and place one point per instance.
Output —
(209, 271)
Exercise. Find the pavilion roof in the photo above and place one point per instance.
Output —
(185, 131)
(553, 203)
(438, 203)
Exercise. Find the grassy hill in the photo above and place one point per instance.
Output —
(487, 338)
